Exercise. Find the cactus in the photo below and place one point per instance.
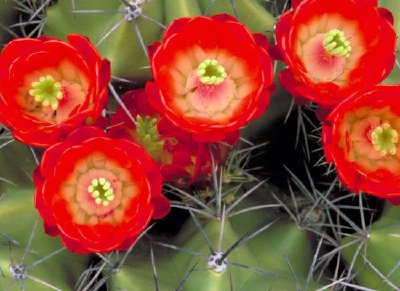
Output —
(373, 255)
(16, 172)
(394, 7)
(252, 13)
(252, 226)
(116, 34)
(8, 14)
(30, 259)
(240, 250)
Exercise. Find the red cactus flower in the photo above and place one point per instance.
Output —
(97, 193)
(212, 76)
(181, 159)
(49, 87)
(361, 138)
(335, 48)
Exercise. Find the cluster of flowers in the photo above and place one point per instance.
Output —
(99, 180)
(337, 53)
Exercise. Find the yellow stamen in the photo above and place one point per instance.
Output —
(384, 139)
(335, 43)
(101, 191)
(47, 91)
(210, 73)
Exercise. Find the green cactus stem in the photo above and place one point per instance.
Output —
(376, 254)
(27, 253)
(250, 12)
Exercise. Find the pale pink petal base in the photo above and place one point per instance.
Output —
(213, 103)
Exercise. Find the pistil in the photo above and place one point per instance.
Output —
(384, 139)
(101, 191)
(335, 43)
(47, 91)
(210, 73)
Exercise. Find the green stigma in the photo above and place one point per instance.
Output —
(47, 91)
(147, 136)
(336, 43)
(384, 139)
(210, 73)
(101, 191)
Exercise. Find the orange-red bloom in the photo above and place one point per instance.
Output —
(97, 193)
(361, 138)
(335, 48)
(212, 76)
(181, 159)
(49, 87)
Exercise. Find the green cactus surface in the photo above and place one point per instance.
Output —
(376, 255)
(394, 7)
(259, 251)
(28, 256)
(8, 15)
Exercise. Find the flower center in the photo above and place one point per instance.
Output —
(47, 91)
(384, 139)
(335, 43)
(210, 73)
(101, 191)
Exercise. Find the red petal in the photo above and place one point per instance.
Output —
(151, 49)
(86, 49)
(161, 206)
(261, 40)
(153, 96)
(387, 14)
(224, 18)
(296, 3)
(18, 48)
(175, 27)
(394, 200)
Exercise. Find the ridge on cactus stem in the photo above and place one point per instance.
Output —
(334, 48)
(212, 76)
(98, 194)
(361, 138)
(121, 30)
(49, 87)
(181, 159)
(376, 269)
(28, 252)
